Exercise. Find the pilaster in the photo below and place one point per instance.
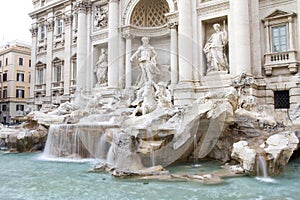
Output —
(174, 52)
(128, 73)
(49, 28)
(67, 53)
(34, 35)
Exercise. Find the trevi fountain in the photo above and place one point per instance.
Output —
(148, 141)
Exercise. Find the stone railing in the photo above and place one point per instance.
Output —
(40, 88)
(281, 59)
(57, 85)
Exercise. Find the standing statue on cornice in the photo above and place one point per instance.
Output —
(215, 50)
(101, 68)
(146, 56)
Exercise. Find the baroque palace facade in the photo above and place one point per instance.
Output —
(87, 46)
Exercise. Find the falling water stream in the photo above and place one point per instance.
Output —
(261, 170)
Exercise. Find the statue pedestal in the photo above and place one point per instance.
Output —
(217, 79)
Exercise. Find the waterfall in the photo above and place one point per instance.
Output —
(74, 143)
(261, 170)
(196, 152)
(261, 167)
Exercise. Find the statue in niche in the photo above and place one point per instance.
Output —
(215, 50)
(146, 56)
(101, 18)
(101, 68)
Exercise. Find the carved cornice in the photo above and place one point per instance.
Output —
(212, 7)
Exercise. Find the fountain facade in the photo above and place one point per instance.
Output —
(139, 87)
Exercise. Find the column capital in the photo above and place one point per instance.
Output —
(50, 25)
(127, 35)
(81, 6)
(34, 30)
(68, 19)
(172, 25)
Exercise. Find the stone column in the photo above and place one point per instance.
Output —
(81, 46)
(89, 63)
(34, 35)
(49, 79)
(67, 64)
(128, 73)
(239, 13)
(174, 53)
(185, 41)
(113, 44)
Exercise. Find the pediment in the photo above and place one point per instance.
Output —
(40, 63)
(278, 14)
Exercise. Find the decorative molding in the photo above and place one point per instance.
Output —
(145, 31)
(101, 36)
(212, 7)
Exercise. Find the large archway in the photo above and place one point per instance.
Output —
(150, 13)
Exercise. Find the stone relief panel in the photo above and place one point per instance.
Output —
(100, 17)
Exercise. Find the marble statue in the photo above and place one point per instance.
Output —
(146, 56)
(101, 68)
(215, 50)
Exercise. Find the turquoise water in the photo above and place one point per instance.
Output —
(24, 177)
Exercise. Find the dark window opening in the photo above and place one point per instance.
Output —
(282, 99)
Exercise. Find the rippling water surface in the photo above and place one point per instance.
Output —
(24, 177)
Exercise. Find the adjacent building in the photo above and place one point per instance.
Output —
(261, 40)
(15, 66)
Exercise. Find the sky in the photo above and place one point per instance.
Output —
(15, 21)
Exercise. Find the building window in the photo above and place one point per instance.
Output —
(5, 93)
(42, 2)
(6, 61)
(19, 107)
(20, 61)
(39, 76)
(0, 63)
(42, 32)
(4, 77)
(59, 26)
(74, 70)
(29, 63)
(279, 38)
(20, 93)
(20, 76)
(282, 99)
(57, 73)
(4, 107)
